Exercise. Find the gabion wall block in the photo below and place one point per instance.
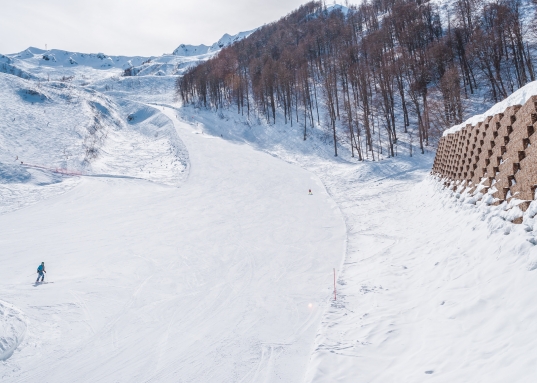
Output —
(498, 153)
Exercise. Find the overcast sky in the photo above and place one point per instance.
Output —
(130, 27)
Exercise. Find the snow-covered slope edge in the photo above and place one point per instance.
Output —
(147, 146)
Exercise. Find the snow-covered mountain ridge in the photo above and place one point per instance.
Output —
(196, 50)
(40, 62)
(57, 57)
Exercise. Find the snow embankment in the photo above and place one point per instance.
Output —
(43, 128)
(43, 124)
(517, 98)
(12, 329)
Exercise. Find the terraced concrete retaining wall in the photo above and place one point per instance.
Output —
(498, 156)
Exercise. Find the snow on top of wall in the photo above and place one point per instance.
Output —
(517, 98)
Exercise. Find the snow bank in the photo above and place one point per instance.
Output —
(12, 329)
(517, 98)
(42, 124)
(481, 199)
(51, 130)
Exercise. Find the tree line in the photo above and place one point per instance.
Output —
(380, 67)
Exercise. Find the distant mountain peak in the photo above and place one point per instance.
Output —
(202, 49)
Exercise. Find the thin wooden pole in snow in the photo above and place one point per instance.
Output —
(334, 284)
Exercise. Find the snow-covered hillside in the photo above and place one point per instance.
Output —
(97, 120)
(51, 130)
(59, 58)
(85, 67)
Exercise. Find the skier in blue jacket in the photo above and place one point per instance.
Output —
(40, 272)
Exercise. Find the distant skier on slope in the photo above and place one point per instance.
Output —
(40, 272)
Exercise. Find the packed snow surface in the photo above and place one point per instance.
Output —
(431, 289)
(222, 279)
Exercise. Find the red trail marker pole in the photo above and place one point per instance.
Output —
(334, 284)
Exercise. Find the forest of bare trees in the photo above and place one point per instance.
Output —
(385, 65)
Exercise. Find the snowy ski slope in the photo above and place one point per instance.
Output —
(189, 250)
(432, 287)
(222, 279)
